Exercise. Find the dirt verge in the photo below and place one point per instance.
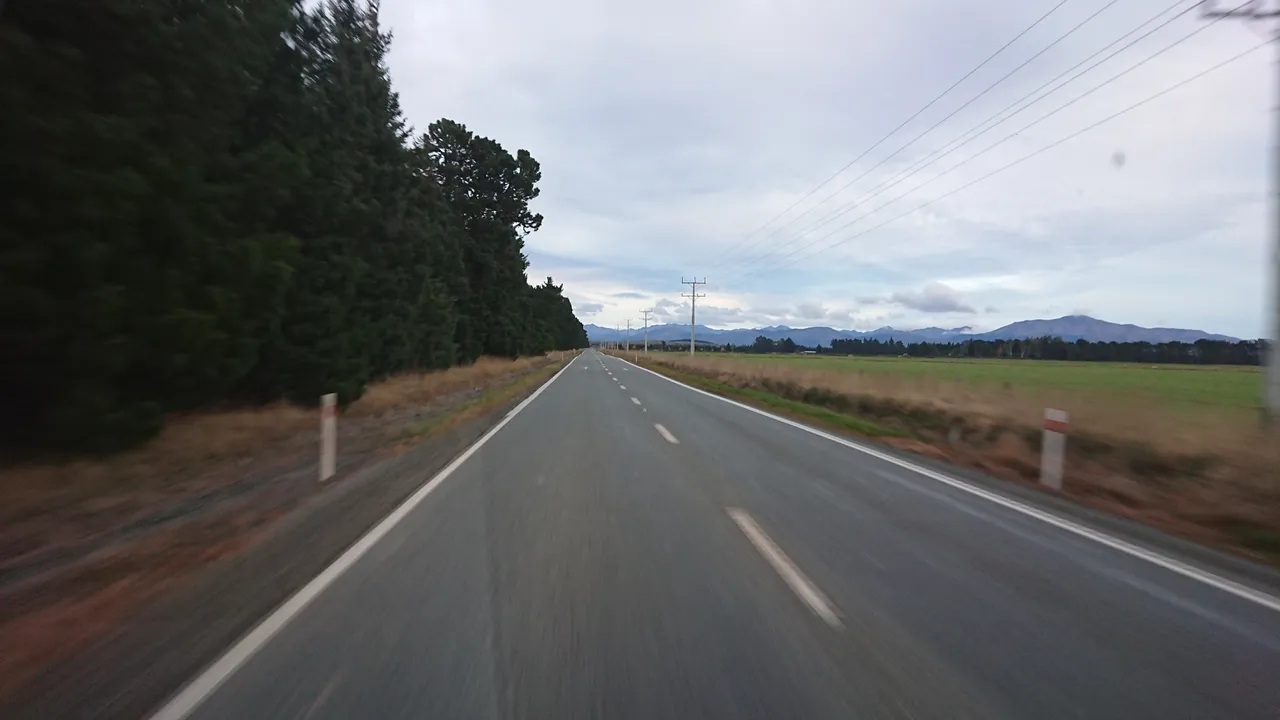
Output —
(108, 628)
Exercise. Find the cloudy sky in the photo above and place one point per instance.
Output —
(671, 133)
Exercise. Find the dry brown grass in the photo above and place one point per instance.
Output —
(1209, 476)
(497, 393)
(186, 442)
(422, 388)
(193, 440)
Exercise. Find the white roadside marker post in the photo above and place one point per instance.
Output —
(1053, 448)
(328, 435)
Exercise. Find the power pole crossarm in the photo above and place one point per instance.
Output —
(646, 330)
(693, 307)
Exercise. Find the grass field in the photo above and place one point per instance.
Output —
(1189, 387)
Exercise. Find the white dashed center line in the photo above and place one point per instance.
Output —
(666, 434)
(782, 564)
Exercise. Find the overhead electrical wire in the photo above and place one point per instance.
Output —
(950, 115)
(1001, 141)
(987, 125)
(934, 157)
(964, 138)
(1023, 159)
(916, 114)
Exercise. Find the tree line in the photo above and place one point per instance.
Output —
(1201, 352)
(221, 201)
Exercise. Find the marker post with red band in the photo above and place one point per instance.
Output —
(328, 435)
(1053, 449)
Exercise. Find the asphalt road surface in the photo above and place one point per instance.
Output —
(625, 547)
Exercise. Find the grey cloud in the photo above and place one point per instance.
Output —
(630, 295)
(588, 308)
(804, 315)
(666, 309)
(935, 297)
(811, 313)
(990, 309)
(843, 319)
(811, 310)
(669, 311)
(771, 312)
(712, 315)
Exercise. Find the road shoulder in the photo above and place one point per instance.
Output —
(1247, 573)
(168, 640)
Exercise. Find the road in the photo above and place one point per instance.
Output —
(625, 547)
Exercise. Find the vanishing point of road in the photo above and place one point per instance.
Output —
(622, 546)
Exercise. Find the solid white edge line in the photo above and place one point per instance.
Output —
(1190, 571)
(207, 682)
(666, 434)
(802, 586)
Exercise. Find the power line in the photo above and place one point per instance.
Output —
(1060, 85)
(892, 182)
(1046, 148)
(1001, 169)
(646, 314)
(961, 141)
(917, 113)
(934, 126)
(693, 307)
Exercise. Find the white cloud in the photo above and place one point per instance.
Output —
(669, 132)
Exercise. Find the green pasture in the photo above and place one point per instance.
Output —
(1230, 386)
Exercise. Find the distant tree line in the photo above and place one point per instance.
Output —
(221, 201)
(1201, 352)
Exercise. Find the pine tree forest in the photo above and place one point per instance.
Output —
(220, 202)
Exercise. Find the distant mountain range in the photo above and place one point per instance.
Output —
(1070, 328)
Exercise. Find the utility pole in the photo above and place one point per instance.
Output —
(1257, 10)
(628, 336)
(693, 306)
(646, 330)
